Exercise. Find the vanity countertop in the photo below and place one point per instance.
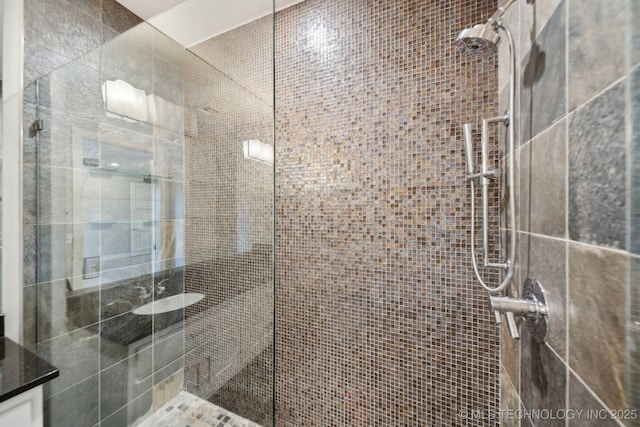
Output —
(21, 370)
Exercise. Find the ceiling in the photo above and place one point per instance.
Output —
(190, 22)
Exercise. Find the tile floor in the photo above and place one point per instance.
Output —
(188, 410)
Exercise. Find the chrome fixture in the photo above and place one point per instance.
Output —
(479, 40)
(160, 287)
(38, 125)
(532, 308)
(475, 41)
(145, 293)
(483, 38)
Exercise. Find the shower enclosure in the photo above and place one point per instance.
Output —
(148, 185)
(148, 191)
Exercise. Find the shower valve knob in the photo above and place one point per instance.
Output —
(532, 308)
(498, 317)
(511, 323)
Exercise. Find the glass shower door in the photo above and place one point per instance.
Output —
(104, 229)
(229, 199)
(149, 232)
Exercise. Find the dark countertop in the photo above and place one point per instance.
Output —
(21, 370)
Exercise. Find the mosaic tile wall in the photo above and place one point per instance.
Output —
(577, 213)
(229, 222)
(379, 320)
(91, 183)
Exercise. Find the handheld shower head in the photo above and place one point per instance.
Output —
(468, 147)
(479, 40)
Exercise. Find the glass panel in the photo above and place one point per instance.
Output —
(229, 222)
(106, 236)
(2, 18)
(633, 321)
(138, 194)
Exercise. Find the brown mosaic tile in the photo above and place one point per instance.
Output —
(229, 229)
(379, 320)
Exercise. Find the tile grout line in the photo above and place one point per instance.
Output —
(593, 394)
(578, 242)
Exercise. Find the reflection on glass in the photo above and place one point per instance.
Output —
(140, 194)
(257, 150)
(120, 203)
(104, 224)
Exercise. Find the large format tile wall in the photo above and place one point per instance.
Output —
(379, 320)
(229, 222)
(115, 366)
(577, 209)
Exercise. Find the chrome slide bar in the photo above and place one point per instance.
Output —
(484, 177)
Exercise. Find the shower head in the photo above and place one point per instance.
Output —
(479, 40)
